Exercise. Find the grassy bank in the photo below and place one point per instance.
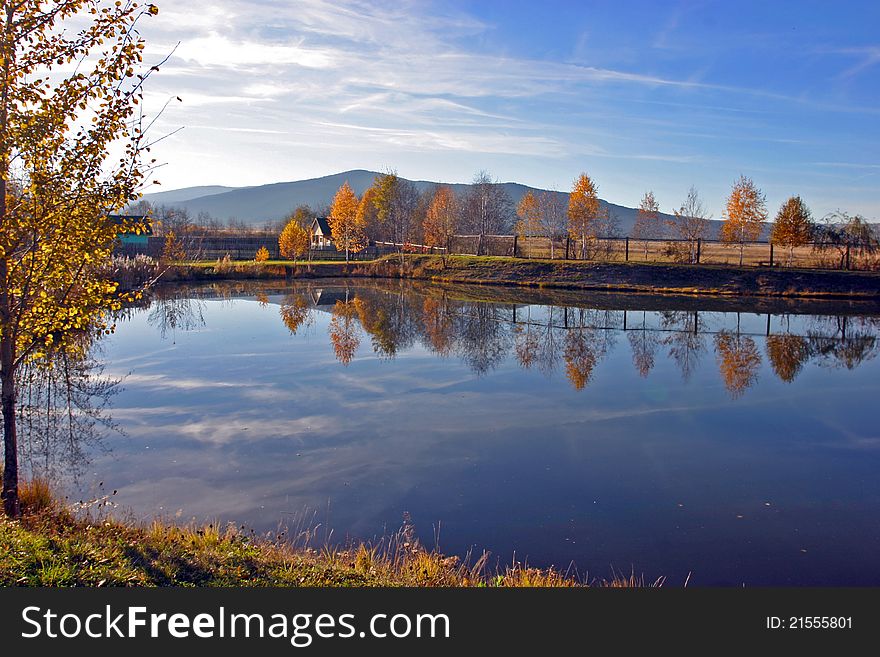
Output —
(571, 275)
(51, 546)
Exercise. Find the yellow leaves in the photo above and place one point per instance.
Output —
(583, 206)
(440, 219)
(346, 229)
(293, 241)
(746, 212)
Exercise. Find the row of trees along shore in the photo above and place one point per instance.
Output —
(393, 211)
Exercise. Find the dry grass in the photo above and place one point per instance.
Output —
(52, 545)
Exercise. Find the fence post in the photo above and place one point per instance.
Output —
(699, 247)
(567, 245)
(627, 250)
(515, 240)
(847, 257)
(771, 254)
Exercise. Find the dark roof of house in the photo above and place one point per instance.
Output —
(324, 225)
(324, 297)
(129, 221)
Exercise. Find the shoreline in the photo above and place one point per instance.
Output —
(652, 278)
(52, 546)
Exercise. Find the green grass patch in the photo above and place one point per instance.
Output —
(52, 546)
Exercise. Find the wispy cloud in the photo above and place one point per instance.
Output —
(363, 84)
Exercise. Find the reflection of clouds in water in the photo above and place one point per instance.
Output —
(169, 381)
(495, 450)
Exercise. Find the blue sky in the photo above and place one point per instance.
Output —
(641, 95)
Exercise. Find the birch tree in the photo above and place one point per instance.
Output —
(746, 213)
(72, 147)
(346, 229)
(583, 211)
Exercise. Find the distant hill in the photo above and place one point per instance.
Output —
(176, 196)
(257, 205)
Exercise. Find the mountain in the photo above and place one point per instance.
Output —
(175, 196)
(257, 205)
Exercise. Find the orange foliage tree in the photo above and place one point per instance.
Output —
(583, 210)
(793, 226)
(746, 212)
(345, 225)
(441, 219)
(293, 242)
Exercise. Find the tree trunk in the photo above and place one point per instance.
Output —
(10, 437)
(7, 376)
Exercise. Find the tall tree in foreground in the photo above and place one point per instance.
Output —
(793, 226)
(531, 220)
(647, 225)
(347, 231)
(70, 153)
(441, 219)
(746, 213)
(583, 211)
(691, 222)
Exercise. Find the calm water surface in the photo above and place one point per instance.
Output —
(661, 435)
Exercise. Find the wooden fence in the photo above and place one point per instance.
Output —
(700, 251)
(610, 249)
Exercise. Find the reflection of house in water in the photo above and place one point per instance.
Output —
(325, 298)
(320, 235)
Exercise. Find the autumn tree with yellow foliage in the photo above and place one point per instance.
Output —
(793, 226)
(745, 214)
(345, 225)
(583, 211)
(531, 220)
(293, 242)
(441, 219)
(71, 150)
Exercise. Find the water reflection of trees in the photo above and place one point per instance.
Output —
(576, 340)
(64, 403)
(344, 331)
(176, 310)
(738, 360)
(683, 336)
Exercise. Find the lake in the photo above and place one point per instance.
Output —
(734, 441)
